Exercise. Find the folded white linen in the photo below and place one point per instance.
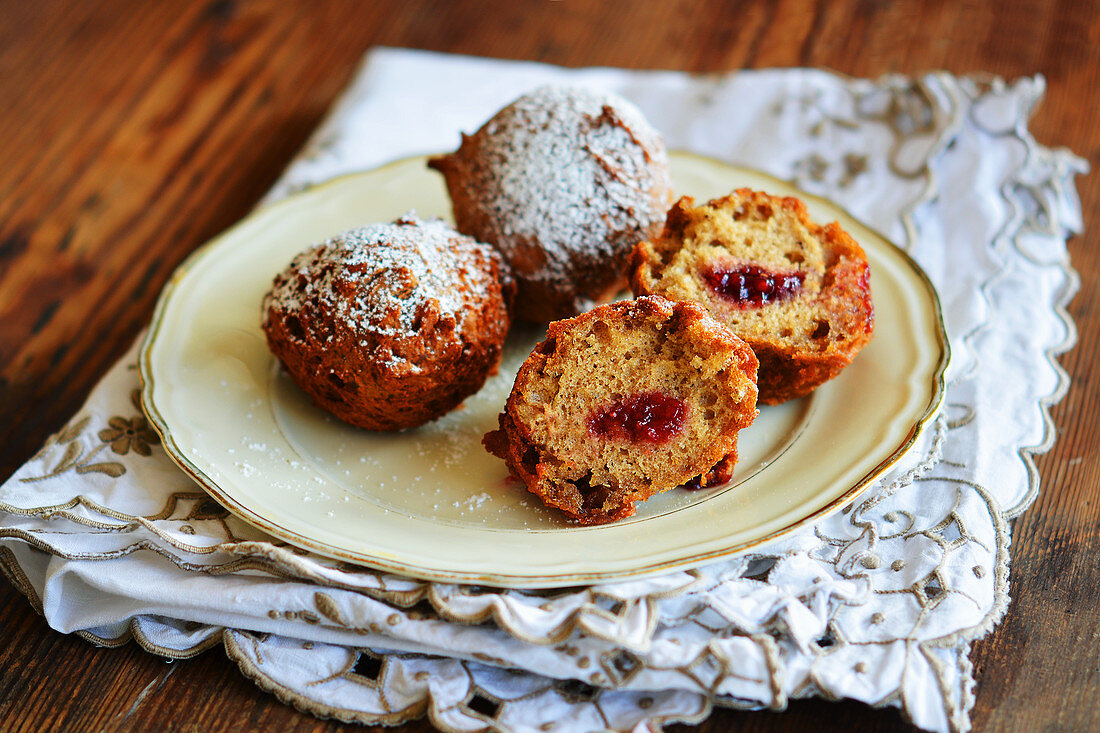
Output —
(878, 603)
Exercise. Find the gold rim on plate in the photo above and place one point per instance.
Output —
(430, 503)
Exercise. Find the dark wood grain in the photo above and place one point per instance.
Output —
(132, 132)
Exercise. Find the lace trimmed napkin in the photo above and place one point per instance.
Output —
(878, 603)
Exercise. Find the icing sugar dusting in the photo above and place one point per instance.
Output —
(562, 174)
(384, 280)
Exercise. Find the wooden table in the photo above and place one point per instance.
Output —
(132, 132)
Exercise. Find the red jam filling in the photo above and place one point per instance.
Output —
(749, 286)
(647, 417)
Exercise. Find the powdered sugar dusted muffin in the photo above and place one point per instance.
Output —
(390, 325)
(626, 401)
(563, 182)
(797, 292)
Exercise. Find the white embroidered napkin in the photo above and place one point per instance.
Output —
(878, 603)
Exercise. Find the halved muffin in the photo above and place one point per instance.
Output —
(797, 292)
(623, 402)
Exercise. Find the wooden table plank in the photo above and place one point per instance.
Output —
(134, 132)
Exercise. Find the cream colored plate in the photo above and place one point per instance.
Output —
(431, 503)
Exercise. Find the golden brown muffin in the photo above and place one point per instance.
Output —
(390, 325)
(797, 292)
(563, 182)
(626, 401)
